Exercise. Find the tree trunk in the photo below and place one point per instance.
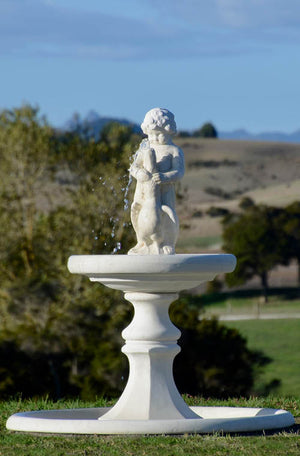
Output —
(265, 285)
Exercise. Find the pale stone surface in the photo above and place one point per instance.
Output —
(210, 419)
(158, 164)
(151, 273)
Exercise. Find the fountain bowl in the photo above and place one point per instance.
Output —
(152, 273)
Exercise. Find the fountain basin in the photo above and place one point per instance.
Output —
(152, 273)
(210, 420)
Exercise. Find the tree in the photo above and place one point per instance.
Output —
(257, 240)
(49, 318)
(246, 203)
(290, 222)
(25, 151)
(206, 131)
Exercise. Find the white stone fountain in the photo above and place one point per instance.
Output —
(151, 277)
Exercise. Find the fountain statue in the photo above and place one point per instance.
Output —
(151, 275)
(157, 165)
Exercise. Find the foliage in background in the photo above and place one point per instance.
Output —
(206, 131)
(290, 222)
(260, 239)
(54, 203)
(64, 193)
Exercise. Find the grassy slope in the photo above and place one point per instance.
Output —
(278, 339)
(274, 444)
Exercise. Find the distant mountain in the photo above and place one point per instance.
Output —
(265, 136)
(93, 123)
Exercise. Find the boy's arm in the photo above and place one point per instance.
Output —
(177, 171)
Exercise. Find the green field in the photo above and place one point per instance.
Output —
(269, 443)
(280, 340)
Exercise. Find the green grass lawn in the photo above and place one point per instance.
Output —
(269, 443)
(280, 340)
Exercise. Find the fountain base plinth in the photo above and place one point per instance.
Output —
(210, 419)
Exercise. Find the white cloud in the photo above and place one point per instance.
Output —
(259, 13)
(233, 13)
(34, 26)
(170, 29)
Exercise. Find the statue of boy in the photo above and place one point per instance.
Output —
(158, 164)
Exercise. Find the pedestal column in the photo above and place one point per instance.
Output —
(151, 345)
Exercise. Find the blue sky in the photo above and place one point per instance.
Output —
(233, 62)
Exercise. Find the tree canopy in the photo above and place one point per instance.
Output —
(290, 223)
(258, 240)
(206, 131)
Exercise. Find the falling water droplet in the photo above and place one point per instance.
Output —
(126, 202)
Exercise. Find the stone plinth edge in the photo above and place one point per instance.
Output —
(211, 419)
